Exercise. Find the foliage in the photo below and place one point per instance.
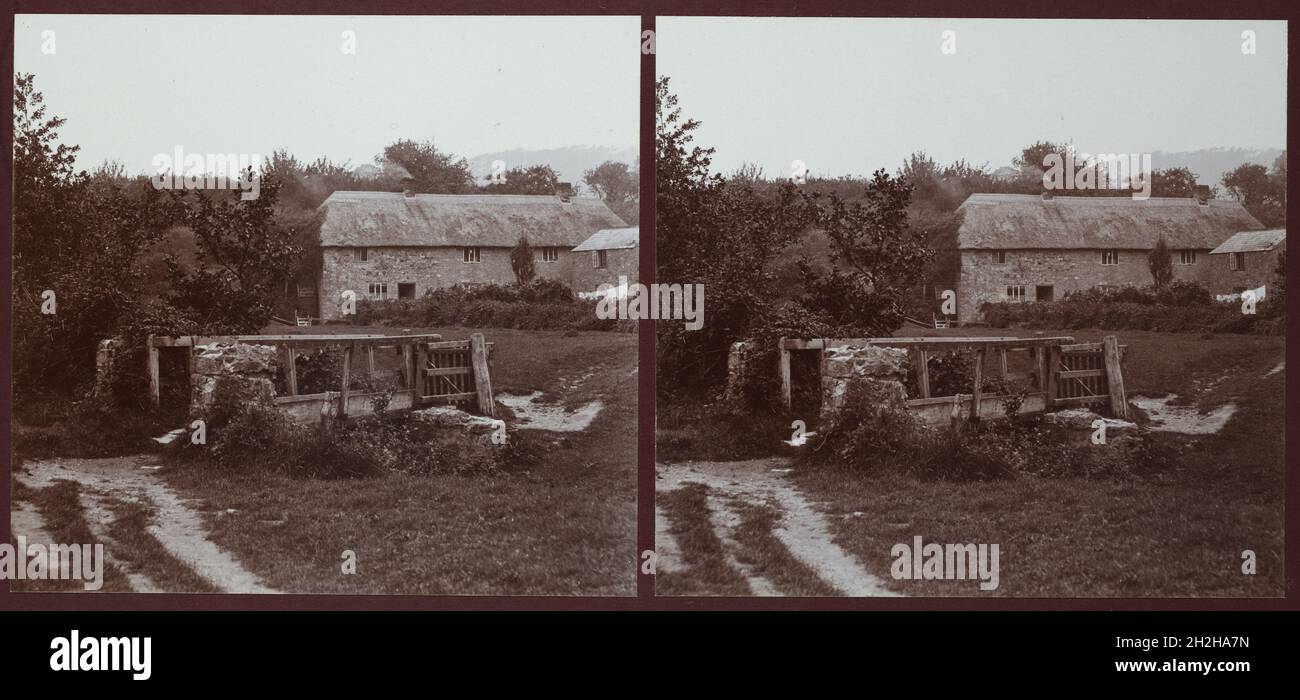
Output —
(431, 171)
(619, 186)
(521, 261)
(1262, 191)
(1161, 264)
(543, 304)
(535, 179)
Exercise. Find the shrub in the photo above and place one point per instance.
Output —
(543, 304)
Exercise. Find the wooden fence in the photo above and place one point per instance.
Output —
(1063, 373)
(431, 371)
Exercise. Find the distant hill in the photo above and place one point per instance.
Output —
(570, 162)
(1210, 164)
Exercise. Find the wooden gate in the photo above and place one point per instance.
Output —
(456, 372)
(1085, 375)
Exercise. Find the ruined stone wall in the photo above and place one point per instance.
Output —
(244, 370)
(427, 268)
(884, 370)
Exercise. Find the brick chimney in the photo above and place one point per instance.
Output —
(1203, 195)
(564, 190)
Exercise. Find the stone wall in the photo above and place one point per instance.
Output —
(245, 370)
(107, 355)
(425, 267)
(884, 370)
(983, 280)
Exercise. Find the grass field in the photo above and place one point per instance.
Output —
(1179, 533)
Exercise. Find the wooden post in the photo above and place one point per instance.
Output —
(408, 369)
(1115, 378)
(954, 416)
(979, 391)
(1040, 368)
(155, 387)
(783, 367)
(347, 379)
(1002, 364)
(291, 370)
(482, 376)
(370, 360)
(923, 372)
(1053, 358)
(421, 361)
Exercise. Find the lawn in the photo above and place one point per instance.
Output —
(1174, 534)
(564, 527)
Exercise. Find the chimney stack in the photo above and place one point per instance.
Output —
(408, 186)
(1203, 194)
(564, 190)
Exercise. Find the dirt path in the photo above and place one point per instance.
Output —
(177, 526)
(804, 530)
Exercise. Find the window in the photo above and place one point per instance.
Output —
(378, 290)
(363, 254)
(1238, 262)
(306, 291)
(471, 255)
(1187, 257)
(598, 259)
(1044, 292)
(550, 254)
(405, 290)
(999, 256)
(1110, 256)
(1016, 292)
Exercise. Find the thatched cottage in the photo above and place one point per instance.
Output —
(398, 245)
(1030, 248)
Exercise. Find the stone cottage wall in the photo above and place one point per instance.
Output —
(983, 280)
(587, 277)
(426, 267)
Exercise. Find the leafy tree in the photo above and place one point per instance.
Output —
(619, 186)
(247, 253)
(1260, 190)
(77, 237)
(1173, 182)
(433, 171)
(1161, 264)
(535, 179)
(521, 261)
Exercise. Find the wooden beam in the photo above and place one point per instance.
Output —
(979, 391)
(783, 368)
(370, 360)
(1079, 373)
(155, 386)
(1002, 364)
(923, 372)
(1115, 379)
(482, 375)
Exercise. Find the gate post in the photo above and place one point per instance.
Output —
(1115, 378)
(482, 378)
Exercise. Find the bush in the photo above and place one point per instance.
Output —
(1178, 308)
(245, 435)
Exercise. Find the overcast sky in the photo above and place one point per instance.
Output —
(847, 96)
(134, 86)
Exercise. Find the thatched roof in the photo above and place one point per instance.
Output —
(375, 219)
(611, 239)
(1011, 221)
(1252, 242)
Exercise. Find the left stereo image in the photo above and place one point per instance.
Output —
(319, 305)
